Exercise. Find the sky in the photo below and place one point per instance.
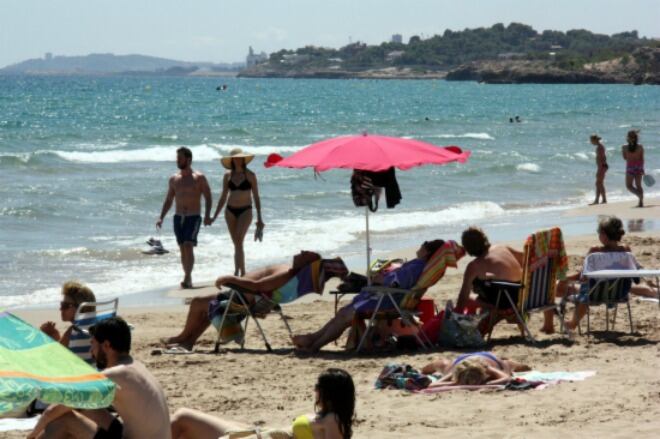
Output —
(222, 30)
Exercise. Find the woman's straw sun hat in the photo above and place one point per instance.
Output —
(236, 153)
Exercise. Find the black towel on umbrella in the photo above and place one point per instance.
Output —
(387, 179)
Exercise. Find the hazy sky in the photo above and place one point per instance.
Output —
(222, 30)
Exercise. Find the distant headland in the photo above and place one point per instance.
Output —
(499, 54)
(110, 64)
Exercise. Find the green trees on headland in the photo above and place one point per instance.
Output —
(568, 50)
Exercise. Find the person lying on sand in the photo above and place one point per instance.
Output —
(263, 280)
(139, 399)
(73, 294)
(403, 277)
(492, 262)
(334, 401)
(610, 233)
(473, 369)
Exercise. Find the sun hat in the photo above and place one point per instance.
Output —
(235, 154)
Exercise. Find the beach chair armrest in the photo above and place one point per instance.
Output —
(501, 283)
(241, 289)
(384, 290)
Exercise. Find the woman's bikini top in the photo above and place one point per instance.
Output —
(302, 428)
(245, 185)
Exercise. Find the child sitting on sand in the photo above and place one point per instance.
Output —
(73, 294)
(334, 400)
(473, 369)
(610, 233)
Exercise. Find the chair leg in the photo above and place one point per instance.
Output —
(371, 322)
(411, 322)
(607, 317)
(561, 319)
(285, 322)
(630, 316)
(519, 316)
(256, 322)
(222, 322)
(495, 311)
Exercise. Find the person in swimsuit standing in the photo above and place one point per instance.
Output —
(633, 154)
(239, 186)
(334, 401)
(186, 189)
(601, 168)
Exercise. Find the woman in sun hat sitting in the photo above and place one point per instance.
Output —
(239, 187)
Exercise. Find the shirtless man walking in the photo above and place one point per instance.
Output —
(139, 399)
(186, 188)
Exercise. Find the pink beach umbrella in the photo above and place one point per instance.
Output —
(368, 152)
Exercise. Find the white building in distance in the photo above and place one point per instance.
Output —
(255, 58)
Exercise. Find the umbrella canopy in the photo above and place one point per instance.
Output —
(34, 366)
(371, 153)
(367, 152)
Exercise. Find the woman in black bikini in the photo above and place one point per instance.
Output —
(239, 186)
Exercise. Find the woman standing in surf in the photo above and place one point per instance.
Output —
(601, 168)
(633, 154)
(239, 187)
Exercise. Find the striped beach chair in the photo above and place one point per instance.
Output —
(544, 261)
(406, 308)
(88, 314)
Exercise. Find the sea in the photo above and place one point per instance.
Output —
(85, 161)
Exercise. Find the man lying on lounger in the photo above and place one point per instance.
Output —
(492, 262)
(264, 280)
(404, 277)
(139, 399)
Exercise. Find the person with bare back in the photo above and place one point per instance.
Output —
(186, 188)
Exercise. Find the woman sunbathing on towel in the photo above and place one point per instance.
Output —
(263, 280)
(473, 369)
(403, 277)
(334, 401)
(610, 233)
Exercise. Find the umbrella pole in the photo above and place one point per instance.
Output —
(366, 210)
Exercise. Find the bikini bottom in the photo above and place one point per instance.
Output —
(238, 211)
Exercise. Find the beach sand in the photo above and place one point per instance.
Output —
(621, 400)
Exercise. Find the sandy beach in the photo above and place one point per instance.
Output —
(621, 400)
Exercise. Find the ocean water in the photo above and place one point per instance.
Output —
(84, 164)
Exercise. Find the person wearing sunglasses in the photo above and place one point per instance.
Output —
(73, 294)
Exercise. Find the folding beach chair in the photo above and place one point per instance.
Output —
(406, 307)
(544, 261)
(310, 279)
(376, 267)
(87, 315)
(239, 307)
(609, 291)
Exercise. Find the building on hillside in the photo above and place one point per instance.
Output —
(397, 38)
(253, 59)
(391, 56)
(48, 56)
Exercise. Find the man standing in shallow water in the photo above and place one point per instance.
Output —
(186, 188)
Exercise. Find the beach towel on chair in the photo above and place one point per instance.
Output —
(545, 243)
